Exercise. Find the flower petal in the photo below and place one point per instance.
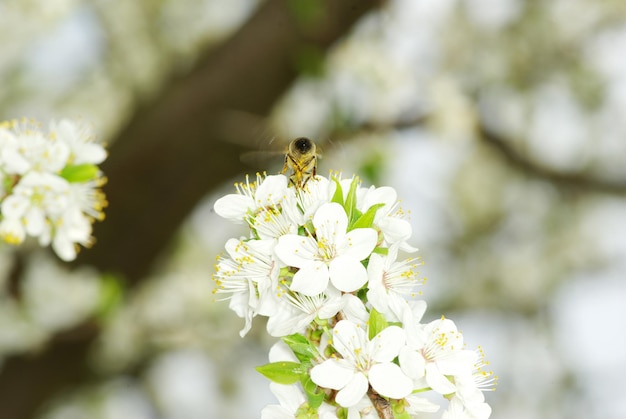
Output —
(311, 279)
(389, 380)
(332, 373)
(358, 243)
(297, 251)
(347, 274)
(353, 392)
(330, 221)
(437, 381)
(412, 363)
(387, 344)
(233, 207)
(271, 191)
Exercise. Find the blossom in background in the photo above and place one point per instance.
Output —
(50, 184)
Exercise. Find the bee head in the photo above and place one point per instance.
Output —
(303, 145)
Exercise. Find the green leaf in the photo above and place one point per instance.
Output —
(350, 204)
(376, 324)
(338, 195)
(301, 347)
(79, 172)
(313, 394)
(367, 220)
(282, 372)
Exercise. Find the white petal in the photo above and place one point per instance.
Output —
(358, 243)
(91, 153)
(377, 293)
(348, 338)
(330, 221)
(35, 221)
(354, 310)
(419, 404)
(353, 392)
(274, 411)
(389, 380)
(387, 344)
(281, 352)
(383, 195)
(271, 191)
(233, 207)
(412, 363)
(461, 363)
(296, 251)
(395, 230)
(14, 206)
(64, 248)
(347, 274)
(332, 373)
(311, 279)
(289, 396)
(437, 381)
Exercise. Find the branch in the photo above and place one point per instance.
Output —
(527, 166)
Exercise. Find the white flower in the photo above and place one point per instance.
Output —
(417, 405)
(439, 354)
(80, 140)
(315, 194)
(301, 310)
(34, 151)
(251, 197)
(390, 282)
(457, 410)
(363, 363)
(36, 198)
(389, 218)
(247, 276)
(333, 254)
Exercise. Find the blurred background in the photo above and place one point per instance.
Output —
(501, 123)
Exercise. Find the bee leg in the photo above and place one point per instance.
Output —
(285, 166)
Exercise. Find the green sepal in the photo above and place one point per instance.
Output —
(80, 172)
(338, 195)
(399, 409)
(401, 415)
(381, 251)
(366, 220)
(282, 372)
(313, 394)
(350, 204)
(301, 347)
(376, 324)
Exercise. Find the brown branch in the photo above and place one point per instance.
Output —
(382, 406)
(572, 180)
(172, 152)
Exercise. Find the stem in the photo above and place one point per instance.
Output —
(382, 406)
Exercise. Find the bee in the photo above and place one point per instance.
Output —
(301, 158)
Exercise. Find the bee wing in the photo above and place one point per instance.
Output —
(262, 160)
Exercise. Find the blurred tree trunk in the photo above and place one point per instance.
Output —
(172, 152)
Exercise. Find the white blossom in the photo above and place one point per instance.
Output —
(246, 276)
(363, 362)
(334, 253)
(438, 356)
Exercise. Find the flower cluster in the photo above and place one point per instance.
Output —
(321, 263)
(50, 184)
